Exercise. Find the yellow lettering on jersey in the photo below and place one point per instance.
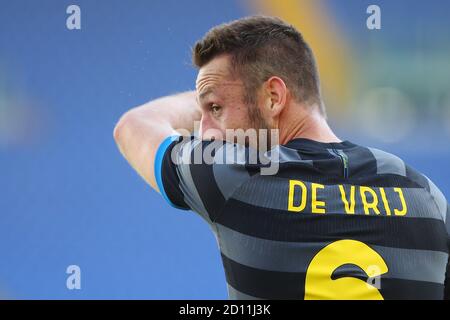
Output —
(349, 205)
(315, 203)
(293, 185)
(369, 205)
(385, 202)
(371, 200)
(404, 209)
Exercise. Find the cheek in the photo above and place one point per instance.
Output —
(237, 118)
(211, 127)
(209, 122)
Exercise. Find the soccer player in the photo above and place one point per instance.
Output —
(332, 220)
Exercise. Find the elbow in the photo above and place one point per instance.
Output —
(118, 129)
(122, 126)
(131, 124)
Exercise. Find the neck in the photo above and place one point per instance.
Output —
(307, 123)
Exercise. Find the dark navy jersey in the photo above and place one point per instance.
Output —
(335, 221)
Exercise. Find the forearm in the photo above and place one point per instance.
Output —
(141, 130)
(179, 111)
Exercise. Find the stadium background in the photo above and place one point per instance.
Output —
(68, 197)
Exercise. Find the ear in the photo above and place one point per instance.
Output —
(275, 96)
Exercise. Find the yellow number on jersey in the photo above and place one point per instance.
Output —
(319, 285)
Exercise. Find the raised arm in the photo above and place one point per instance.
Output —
(141, 130)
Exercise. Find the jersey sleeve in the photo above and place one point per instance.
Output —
(199, 175)
(447, 275)
(443, 207)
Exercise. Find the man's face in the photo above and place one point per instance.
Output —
(221, 98)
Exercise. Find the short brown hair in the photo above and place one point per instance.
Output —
(261, 47)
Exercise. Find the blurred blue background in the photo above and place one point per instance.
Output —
(68, 197)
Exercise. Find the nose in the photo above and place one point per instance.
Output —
(208, 130)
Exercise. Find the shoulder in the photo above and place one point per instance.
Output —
(388, 163)
(202, 174)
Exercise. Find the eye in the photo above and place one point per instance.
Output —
(215, 109)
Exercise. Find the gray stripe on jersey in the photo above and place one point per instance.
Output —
(187, 186)
(234, 294)
(447, 223)
(228, 180)
(408, 264)
(284, 155)
(439, 198)
(388, 163)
